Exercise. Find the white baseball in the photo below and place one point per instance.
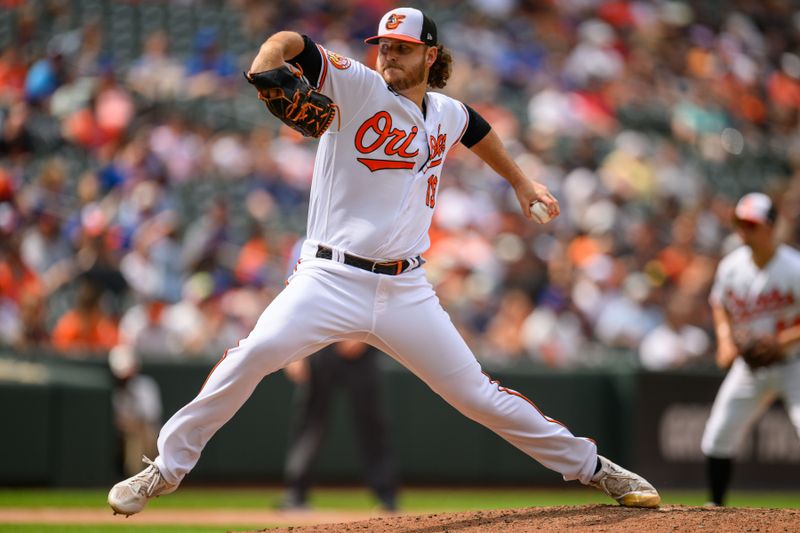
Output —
(540, 212)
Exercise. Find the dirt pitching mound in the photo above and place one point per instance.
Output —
(607, 518)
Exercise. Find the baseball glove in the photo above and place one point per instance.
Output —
(287, 96)
(760, 353)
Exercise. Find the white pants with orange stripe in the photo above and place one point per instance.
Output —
(325, 302)
(743, 397)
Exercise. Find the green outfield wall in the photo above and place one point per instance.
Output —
(58, 428)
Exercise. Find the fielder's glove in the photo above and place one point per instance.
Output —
(287, 96)
(760, 353)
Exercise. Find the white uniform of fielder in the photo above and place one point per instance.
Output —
(374, 189)
(764, 302)
(759, 301)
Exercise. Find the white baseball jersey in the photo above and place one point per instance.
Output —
(759, 302)
(379, 165)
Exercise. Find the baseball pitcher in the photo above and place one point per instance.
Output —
(755, 303)
(384, 139)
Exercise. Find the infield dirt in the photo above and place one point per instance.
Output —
(564, 519)
(584, 518)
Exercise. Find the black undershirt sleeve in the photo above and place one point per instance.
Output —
(477, 128)
(309, 60)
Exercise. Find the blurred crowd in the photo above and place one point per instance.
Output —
(148, 200)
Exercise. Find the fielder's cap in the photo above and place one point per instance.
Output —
(406, 24)
(755, 207)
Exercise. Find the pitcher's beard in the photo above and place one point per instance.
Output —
(413, 78)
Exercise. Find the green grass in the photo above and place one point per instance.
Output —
(188, 498)
(411, 499)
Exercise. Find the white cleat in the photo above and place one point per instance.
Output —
(627, 488)
(130, 496)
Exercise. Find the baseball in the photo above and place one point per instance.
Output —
(540, 212)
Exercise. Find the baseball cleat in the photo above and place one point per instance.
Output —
(627, 488)
(130, 496)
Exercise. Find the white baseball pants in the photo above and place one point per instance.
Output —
(744, 396)
(326, 301)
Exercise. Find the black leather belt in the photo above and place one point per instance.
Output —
(391, 268)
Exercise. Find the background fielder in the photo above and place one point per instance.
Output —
(755, 299)
(374, 190)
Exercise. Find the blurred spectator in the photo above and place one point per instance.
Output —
(627, 315)
(137, 162)
(16, 279)
(46, 250)
(115, 106)
(144, 212)
(45, 76)
(13, 71)
(10, 322)
(504, 339)
(72, 97)
(251, 264)
(136, 401)
(33, 333)
(22, 292)
(97, 254)
(155, 75)
(186, 317)
(207, 319)
(48, 188)
(167, 255)
(16, 139)
(205, 238)
(594, 58)
(229, 156)
(85, 330)
(147, 329)
(178, 147)
(676, 342)
(139, 269)
(85, 50)
(555, 339)
(103, 118)
(210, 69)
(223, 325)
(7, 188)
(627, 171)
(676, 257)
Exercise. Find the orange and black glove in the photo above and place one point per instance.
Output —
(290, 98)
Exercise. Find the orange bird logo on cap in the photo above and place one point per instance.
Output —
(394, 21)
